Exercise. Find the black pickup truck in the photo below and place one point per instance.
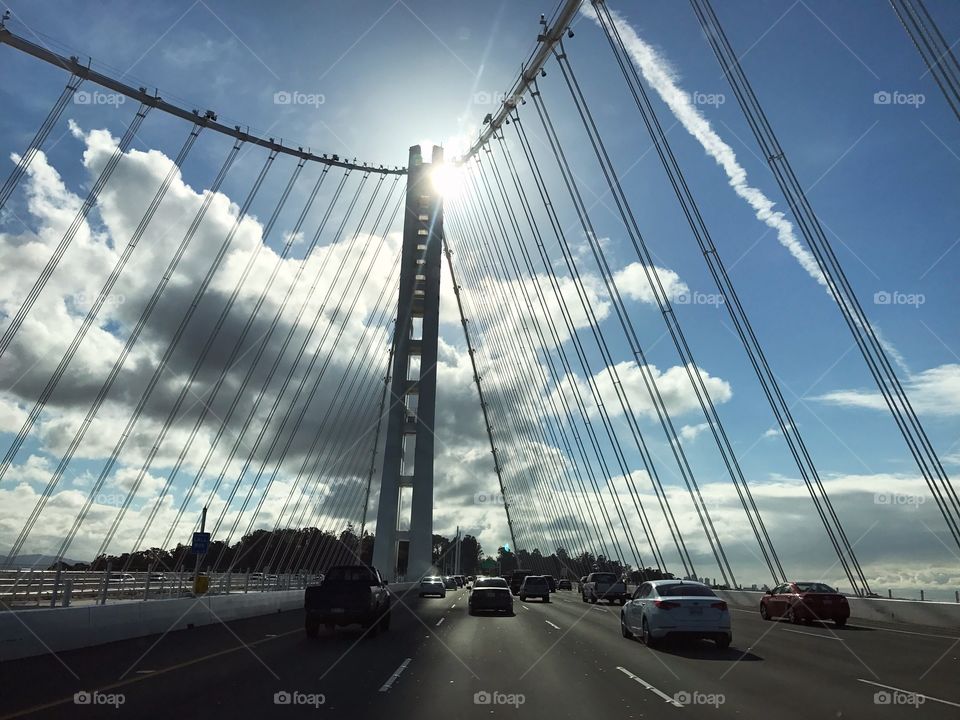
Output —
(348, 595)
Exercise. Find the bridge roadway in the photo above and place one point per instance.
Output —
(566, 659)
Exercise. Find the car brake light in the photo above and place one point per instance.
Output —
(719, 605)
(665, 604)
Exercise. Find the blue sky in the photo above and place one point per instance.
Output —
(883, 178)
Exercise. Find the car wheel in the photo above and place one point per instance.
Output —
(792, 617)
(421, 594)
(547, 599)
(648, 639)
(510, 612)
(840, 622)
(385, 622)
(470, 610)
(583, 598)
(313, 628)
(624, 630)
(593, 600)
(723, 642)
(330, 627)
(764, 613)
(523, 598)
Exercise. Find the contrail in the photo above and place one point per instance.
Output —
(658, 74)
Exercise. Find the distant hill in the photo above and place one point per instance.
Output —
(40, 562)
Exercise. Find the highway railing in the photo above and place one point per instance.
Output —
(23, 589)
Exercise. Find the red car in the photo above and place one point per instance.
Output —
(805, 602)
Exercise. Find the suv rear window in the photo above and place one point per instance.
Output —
(533, 580)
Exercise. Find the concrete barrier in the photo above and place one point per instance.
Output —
(25, 633)
(912, 612)
(33, 632)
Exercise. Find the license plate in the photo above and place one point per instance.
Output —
(696, 611)
(337, 611)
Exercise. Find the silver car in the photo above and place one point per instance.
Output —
(433, 585)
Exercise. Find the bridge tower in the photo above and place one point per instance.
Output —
(404, 540)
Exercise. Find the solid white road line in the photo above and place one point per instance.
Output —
(551, 624)
(393, 678)
(909, 692)
(801, 632)
(649, 687)
(440, 621)
(873, 627)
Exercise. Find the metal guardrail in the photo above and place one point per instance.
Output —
(27, 588)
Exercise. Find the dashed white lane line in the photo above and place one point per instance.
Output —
(909, 692)
(440, 621)
(453, 606)
(396, 673)
(875, 627)
(524, 607)
(801, 632)
(649, 687)
(551, 624)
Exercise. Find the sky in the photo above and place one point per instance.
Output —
(866, 130)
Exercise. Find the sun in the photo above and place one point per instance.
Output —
(448, 179)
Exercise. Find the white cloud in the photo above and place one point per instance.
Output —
(935, 391)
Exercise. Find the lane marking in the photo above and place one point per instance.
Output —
(649, 687)
(524, 607)
(551, 624)
(144, 672)
(909, 692)
(872, 627)
(801, 632)
(396, 673)
(439, 621)
(453, 606)
(131, 680)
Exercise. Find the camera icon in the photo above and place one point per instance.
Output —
(881, 298)
(482, 698)
(682, 298)
(882, 98)
(82, 698)
(882, 697)
(282, 98)
(682, 697)
(82, 97)
(881, 499)
(282, 698)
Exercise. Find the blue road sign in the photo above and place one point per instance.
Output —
(201, 542)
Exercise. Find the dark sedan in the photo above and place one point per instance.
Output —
(490, 594)
(805, 602)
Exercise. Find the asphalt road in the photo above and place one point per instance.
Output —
(559, 660)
